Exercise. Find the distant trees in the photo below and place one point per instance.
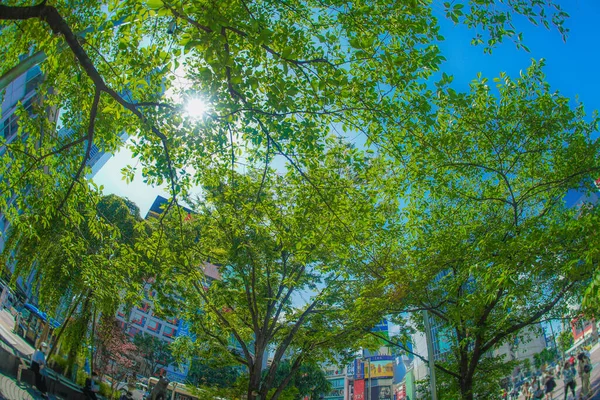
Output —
(154, 350)
(115, 354)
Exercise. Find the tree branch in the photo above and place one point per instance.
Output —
(90, 142)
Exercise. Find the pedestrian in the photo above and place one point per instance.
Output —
(514, 393)
(91, 387)
(526, 391)
(549, 384)
(572, 359)
(17, 322)
(557, 369)
(38, 363)
(159, 392)
(584, 367)
(537, 391)
(569, 379)
(126, 396)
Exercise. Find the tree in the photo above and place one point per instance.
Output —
(310, 380)
(155, 351)
(280, 75)
(77, 264)
(565, 340)
(115, 354)
(202, 374)
(487, 244)
(283, 289)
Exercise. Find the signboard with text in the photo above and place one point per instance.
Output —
(359, 389)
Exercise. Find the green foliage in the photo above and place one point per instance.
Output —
(308, 380)
(565, 340)
(527, 364)
(544, 357)
(156, 351)
(459, 189)
(105, 390)
(486, 242)
(287, 245)
(203, 375)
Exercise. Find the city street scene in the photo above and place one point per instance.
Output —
(299, 200)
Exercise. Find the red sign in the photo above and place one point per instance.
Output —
(359, 389)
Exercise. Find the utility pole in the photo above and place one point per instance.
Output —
(370, 379)
(431, 362)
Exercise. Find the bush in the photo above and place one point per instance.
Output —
(81, 376)
(58, 363)
(105, 390)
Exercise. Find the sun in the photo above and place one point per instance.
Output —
(196, 107)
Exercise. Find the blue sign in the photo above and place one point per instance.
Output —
(382, 326)
(183, 329)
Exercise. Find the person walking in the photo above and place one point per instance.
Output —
(526, 391)
(584, 367)
(549, 384)
(537, 391)
(91, 387)
(569, 379)
(159, 392)
(38, 363)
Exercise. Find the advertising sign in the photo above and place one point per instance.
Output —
(379, 367)
(381, 393)
(359, 389)
(381, 327)
(359, 371)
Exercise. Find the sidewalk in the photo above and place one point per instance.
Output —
(11, 390)
(7, 323)
(559, 393)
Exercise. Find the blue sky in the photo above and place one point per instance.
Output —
(571, 68)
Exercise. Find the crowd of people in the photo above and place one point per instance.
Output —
(544, 386)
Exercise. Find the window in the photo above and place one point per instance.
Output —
(169, 332)
(139, 320)
(154, 326)
(144, 307)
(34, 81)
(11, 125)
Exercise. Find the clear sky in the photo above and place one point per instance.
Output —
(571, 68)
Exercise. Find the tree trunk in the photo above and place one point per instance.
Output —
(62, 328)
(255, 375)
(466, 388)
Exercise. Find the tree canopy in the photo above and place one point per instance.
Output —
(486, 242)
(449, 201)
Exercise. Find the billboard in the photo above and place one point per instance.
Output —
(359, 389)
(381, 393)
(379, 367)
